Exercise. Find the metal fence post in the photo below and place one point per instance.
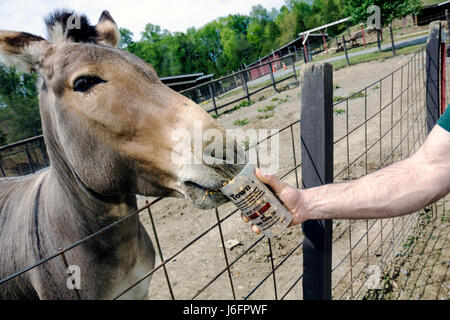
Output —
(433, 68)
(1, 168)
(211, 92)
(244, 84)
(394, 52)
(317, 169)
(30, 163)
(345, 50)
(272, 77)
(293, 67)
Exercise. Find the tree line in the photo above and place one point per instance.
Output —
(220, 46)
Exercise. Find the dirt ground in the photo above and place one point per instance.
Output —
(373, 243)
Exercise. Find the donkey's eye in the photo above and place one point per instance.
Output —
(83, 84)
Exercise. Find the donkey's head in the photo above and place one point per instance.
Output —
(107, 119)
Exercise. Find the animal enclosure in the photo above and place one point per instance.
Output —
(388, 126)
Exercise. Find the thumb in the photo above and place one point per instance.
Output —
(276, 184)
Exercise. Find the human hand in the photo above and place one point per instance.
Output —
(289, 196)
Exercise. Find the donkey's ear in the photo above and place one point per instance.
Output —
(108, 32)
(22, 50)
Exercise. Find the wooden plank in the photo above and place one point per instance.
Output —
(317, 169)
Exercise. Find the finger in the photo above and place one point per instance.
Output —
(276, 184)
(244, 218)
(256, 229)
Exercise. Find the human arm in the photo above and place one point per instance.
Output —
(398, 189)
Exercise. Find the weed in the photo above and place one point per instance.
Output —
(354, 95)
(241, 122)
(339, 111)
(267, 108)
(338, 98)
(410, 242)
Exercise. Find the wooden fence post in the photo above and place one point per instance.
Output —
(432, 71)
(317, 169)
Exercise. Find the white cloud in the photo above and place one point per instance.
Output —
(174, 15)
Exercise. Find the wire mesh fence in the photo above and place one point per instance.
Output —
(374, 127)
(227, 93)
(383, 123)
(23, 157)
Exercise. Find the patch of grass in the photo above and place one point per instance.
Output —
(262, 98)
(267, 116)
(243, 104)
(376, 56)
(338, 98)
(339, 111)
(241, 122)
(267, 108)
(354, 95)
(409, 242)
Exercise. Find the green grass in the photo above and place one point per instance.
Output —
(376, 56)
(241, 122)
(339, 111)
(266, 116)
(267, 108)
(243, 104)
(354, 95)
(338, 98)
(387, 40)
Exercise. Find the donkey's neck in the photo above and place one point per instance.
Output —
(81, 211)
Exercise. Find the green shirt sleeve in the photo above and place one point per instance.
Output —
(444, 120)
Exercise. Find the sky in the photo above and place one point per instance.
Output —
(173, 15)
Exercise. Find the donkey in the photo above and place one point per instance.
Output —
(107, 122)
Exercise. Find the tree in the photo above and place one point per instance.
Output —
(390, 10)
(126, 38)
(19, 106)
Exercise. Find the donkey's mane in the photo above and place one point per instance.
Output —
(57, 29)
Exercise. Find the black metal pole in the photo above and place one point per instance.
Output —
(392, 40)
(272, 77)
(293, 67)
(317, 169)
(211, 92)
(30, 165)
(2, 170)
(378, 41)
(345, 50)
(432, 71)
(244, 84)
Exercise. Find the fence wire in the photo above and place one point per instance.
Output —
(382, 123)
